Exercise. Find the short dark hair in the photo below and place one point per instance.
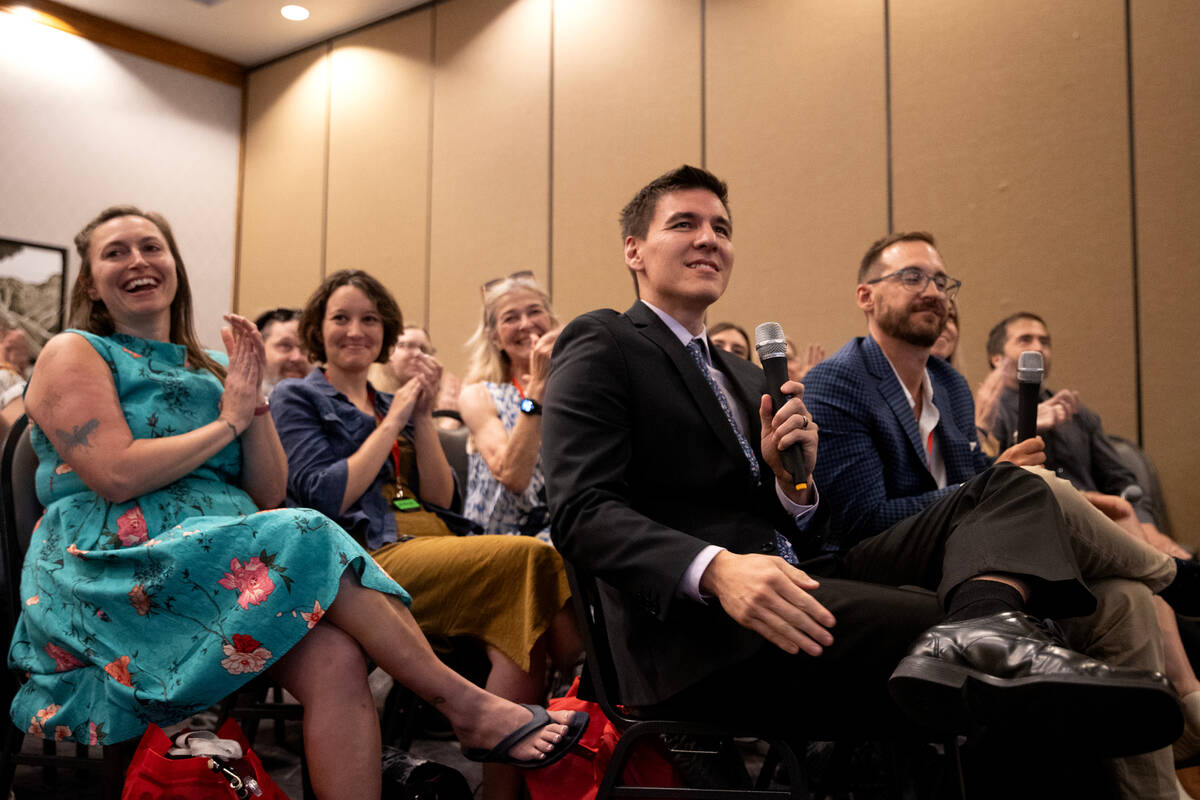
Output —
(872, 254)
(314, 312)
(998, 335)
(637, 213)
(265, 319)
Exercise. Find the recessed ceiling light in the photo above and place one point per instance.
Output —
(23, 11)
(294, 13)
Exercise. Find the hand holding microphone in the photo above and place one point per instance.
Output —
(771, 345)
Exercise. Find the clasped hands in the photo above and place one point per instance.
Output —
(418, 395)
(243, 376)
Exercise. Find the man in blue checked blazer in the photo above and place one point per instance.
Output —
(666, 484)
(898, 437)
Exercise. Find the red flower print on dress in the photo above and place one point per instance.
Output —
(61, 733)
(75, 551)
(118, 670)
(33, 601)
(253, 580)
(63, 661)
(315, 617)
(139, 599)
(93, 733)
(38, 721)
(246, 654)
(131, 527)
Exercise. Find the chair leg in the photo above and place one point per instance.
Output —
(117, 758)
(14, 737)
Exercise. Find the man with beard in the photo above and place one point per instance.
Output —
(880, 399)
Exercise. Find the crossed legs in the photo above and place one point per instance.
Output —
(327, 672)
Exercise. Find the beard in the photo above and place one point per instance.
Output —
(900, 323)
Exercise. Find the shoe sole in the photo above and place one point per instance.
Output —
(1103, 716)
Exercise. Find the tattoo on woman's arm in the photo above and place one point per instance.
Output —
(77, 437)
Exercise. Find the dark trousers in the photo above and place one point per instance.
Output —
(887, 590)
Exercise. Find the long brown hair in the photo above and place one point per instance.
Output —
(92, 315)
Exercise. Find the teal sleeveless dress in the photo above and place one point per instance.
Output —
(150, 610)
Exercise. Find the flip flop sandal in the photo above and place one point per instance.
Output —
(499, 753)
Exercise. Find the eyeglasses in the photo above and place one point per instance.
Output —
(524, 274)
(915, 280)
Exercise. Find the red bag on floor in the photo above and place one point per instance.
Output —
(154, 776)
(577, 775)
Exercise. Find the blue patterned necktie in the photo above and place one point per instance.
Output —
(696, 349)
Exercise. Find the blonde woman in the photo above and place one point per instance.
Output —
(501, 403)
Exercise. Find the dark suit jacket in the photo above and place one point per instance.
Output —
(871, 468)
(643, 471)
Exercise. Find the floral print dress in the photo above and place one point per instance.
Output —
(153, 609)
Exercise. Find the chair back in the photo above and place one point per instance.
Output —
(1144, 472)
(454, 444)
(21, 510)
(601, 667)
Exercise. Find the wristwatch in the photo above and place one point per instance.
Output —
(530, 406)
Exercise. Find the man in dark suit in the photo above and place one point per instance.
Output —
(898, 435)
(665, 481)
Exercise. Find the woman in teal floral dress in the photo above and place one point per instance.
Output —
(153, 586)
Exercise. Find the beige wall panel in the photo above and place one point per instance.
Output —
(382, 80)
(1010, 143)
(1167, 136)
(490, 204)
(627, 108)
(283, 182)
(796, 125)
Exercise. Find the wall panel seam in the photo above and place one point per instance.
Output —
(703, 84)
(887, 108)
(433, 19)
(550, 170)
(325, 173)
(1133, 227)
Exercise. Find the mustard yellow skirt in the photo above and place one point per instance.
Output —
(501, 590)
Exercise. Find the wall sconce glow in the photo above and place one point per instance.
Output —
(24, 12)
(294, 13)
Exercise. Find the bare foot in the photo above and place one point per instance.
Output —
(496, 718)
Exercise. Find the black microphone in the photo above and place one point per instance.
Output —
(1030, 369)
(771, 345)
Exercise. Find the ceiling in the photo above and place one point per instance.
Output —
(248, 32)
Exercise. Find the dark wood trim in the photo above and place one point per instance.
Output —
(131, 40)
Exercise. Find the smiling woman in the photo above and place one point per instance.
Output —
(501, 404)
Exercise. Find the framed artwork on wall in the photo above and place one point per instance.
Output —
(32, 277)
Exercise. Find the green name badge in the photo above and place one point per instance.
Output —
(406, 504)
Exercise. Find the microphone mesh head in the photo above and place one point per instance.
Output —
(769, 340)
(1030, 367)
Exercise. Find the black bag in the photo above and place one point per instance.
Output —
(406, 777)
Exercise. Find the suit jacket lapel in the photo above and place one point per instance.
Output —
(893, 395)
(656, 331)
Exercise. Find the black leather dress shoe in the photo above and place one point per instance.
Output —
(1010, 674)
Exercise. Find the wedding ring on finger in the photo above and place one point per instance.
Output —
(803, 422)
